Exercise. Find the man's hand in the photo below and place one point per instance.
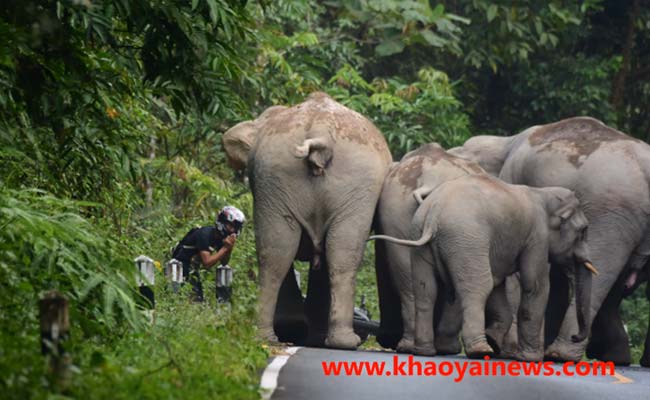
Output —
(229, 242)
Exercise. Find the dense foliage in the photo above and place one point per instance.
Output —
(111, 114)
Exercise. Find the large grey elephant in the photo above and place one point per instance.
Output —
(316, 170)
(407, 183)
(610, 174)
(475, 231)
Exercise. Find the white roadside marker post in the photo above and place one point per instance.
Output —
(144, 278)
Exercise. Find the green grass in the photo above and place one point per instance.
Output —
(205, 351)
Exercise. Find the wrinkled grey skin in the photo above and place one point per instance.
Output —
(316, 171)
(417, 174)
(610, 174)
(475, 231)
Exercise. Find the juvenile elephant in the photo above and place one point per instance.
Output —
(475, 231)
(407, 183)
(316, 171)
(610, 174)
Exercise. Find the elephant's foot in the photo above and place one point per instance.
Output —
(594, 350)
(619, 356)
(645, 360)
(478, 348)
(529, 356)
(347, 340)
(614, 350)
(426, 350)
(316, 339)
(388, 339)
(495, 337)
(405, 346)
(446, 345)
(562, 351)
(509, 349)
(267, 336)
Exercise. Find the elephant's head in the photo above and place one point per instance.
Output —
(568, 247)
(489, 152)
(238, 140)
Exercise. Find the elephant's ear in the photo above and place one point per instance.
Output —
(237, 142)
(563, 208)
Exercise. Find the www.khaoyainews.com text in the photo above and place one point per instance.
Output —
(459, 370)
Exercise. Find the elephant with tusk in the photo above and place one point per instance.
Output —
(610, 173)
(472, 232)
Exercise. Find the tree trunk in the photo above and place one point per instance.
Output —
(618, 87)
(148, 183)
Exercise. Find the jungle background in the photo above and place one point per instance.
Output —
(111, 115)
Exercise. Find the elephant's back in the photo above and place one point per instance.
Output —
(430, 166)
(320, 115)
(480, 197)
(352, 177)
(481, 211)
(607, 169)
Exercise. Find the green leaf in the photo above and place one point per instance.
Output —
(389, 47)
(492, 12)
(460, 19)
(433, 39)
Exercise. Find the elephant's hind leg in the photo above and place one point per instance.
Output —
(425, 289)
(344, 250)
(277, 242)
(473, 281)
(391, 325)
(317, 304)
(499, 317)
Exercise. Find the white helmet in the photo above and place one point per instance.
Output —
(231, 215)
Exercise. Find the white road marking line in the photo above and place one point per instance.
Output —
(272, 371)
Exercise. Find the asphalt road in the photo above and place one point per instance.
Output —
(303, 377)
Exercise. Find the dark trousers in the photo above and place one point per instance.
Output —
(191, 274)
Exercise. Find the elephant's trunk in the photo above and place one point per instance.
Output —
(583, 299)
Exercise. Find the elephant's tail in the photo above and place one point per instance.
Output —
(318, 152)
(427, 233)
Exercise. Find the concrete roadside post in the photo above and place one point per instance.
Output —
(144, 278)
(174, 274)
(55, 328)
(224, 284)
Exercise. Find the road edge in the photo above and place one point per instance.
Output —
(269, 381)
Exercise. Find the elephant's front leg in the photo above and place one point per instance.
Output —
(609, 341)
(275, 258)
(534, 280)
(610, 255)
(425, 289)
